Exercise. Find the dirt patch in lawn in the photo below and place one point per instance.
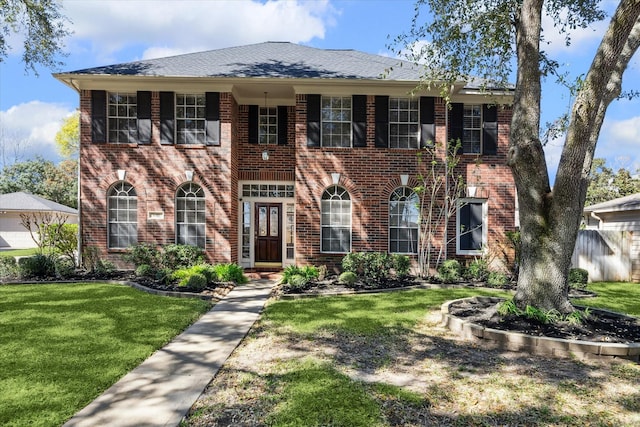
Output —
(459, 383)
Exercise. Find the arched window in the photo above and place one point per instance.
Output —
(336, 220)
(122, 216)
(403, 221)
(190, 215)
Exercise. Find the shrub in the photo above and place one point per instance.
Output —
(63, 238)
(297, 282)
(496, 279)
(401, 265)
(196, 281)
(578, 278)
(449, 271)
(145, 270)
(37, 267)
(477, 270)
(347, 278)
(377, 265)
(142, 253)
(8, 267)
(353, 262)
(64, 267)
(104, 267)
(322, 272)
(230, 273)
(290, 271)
(309, 272)
(174, 256)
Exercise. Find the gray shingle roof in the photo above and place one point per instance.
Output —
(269, 59)
(627, 203)
(25, 202)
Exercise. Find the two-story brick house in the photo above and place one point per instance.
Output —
(275, 154)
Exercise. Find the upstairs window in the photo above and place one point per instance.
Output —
(122, 117)
(268, 126)
(122, 202)
(190, 215)
(475, 126)
(472, 129)
(190, 119)
(336, 121)
(404, 126)
(403, 221)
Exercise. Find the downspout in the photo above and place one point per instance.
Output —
(446, 179)
(593, 215)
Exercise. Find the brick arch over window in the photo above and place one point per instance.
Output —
(190, 211)
(122, 215)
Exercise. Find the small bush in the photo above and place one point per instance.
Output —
(449, 271)
(478, 270)
(310, 272)
(8, 267)
(322, 272)
(142, 253)
(65, 267)
(175, 256)
(401, 265)
(578, 278)
(495, 279)
(145, 270)
(196, 281)
(231, 272)
(37, 267)
(297, 282)
(353, 262)
(104, 267)
(377, 265)
(290, 271)
(347, 278)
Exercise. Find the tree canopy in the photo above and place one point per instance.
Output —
(68, 137)
(605, 184)
(40, 25)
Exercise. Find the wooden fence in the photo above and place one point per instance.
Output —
(605, 254)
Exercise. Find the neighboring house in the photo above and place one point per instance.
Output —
(275, 154)
(617, 240)
(12, 233)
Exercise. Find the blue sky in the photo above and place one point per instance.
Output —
(113, 31)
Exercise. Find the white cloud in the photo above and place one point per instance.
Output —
(581, 38)
(30, 128)
(619, 143)
(174, 27)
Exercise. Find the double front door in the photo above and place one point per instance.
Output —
(268, 232)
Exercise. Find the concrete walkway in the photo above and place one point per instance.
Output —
(161, 390)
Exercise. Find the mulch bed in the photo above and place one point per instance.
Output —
(599, 326)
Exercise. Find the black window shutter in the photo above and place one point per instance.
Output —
(427, 121)
(167, 117)
(253, 124)
(456, 125)
(212, 118)
(144, 117)
(99, 116)
(283, 125)
(489, 129)
(359, 120)
(382, 121)
(313, 120)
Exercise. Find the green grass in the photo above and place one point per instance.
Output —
(621, 297)
(62, 345)
(369, 315)
(19, 252)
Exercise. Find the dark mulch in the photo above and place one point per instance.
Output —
(599, 326)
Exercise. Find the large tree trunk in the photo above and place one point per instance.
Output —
(549, 220)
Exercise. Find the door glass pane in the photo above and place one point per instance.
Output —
(262, 221)
(274, 222)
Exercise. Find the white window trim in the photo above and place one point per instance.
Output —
(175, 220)
(178, 119)
(111, 119)
(417, 122)
(266, 135)
(109, 222)
(389, 225)
(481, 148)
(350, 221)
(485, 216)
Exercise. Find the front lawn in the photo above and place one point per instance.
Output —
(621, 297)
(62, 345)
(385, 360)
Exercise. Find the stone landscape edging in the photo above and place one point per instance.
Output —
(544, 346)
